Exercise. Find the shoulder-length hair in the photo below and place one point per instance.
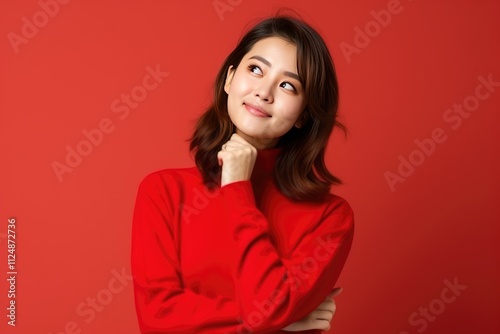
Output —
(300, 172)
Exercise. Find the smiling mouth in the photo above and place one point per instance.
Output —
(255, 111)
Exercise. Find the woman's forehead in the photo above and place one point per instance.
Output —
(274, 51)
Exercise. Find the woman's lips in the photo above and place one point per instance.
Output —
(256, 111)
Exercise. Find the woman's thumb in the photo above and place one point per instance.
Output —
(336, 292)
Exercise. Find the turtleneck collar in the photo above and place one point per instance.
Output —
(264, 164)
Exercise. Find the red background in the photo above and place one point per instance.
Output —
(441, 223)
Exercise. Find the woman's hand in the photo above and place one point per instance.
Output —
(320, 318)
(237, 158)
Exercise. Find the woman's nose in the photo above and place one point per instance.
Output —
(264, 92)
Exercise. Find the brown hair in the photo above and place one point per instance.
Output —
(300, 172)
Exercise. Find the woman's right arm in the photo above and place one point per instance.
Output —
(163, 304)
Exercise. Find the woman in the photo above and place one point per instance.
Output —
(250, 240)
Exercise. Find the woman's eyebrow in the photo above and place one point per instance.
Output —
(265, 61)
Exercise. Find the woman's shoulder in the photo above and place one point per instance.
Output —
(335, 204)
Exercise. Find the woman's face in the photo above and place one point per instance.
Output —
(265, 96)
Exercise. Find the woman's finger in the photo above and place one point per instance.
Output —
(335, 292)
(330, 308)
(322, 315)
(233, 145)
(236, 137)
(328, 303)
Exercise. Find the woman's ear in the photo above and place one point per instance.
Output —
(229, 78)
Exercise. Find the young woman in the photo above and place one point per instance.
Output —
(250, 240)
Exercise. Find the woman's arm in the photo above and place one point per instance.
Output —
(163, 304)
(274, 292)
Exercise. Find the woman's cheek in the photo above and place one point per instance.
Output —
(292, 114)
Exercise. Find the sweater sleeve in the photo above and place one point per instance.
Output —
(274, 292)
(163, 304)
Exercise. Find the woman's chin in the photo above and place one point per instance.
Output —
(257, 138)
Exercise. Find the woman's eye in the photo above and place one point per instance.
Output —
(288, 86)
(255, 69)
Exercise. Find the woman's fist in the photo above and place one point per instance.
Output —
(320, 318)
(237, 158)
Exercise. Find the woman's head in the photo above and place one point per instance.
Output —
(265, 93)
(282, 71)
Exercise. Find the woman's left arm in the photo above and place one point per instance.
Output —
(274, 292)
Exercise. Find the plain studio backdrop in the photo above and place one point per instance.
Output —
(97, 94)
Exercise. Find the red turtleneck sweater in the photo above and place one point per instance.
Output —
(241, 259)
